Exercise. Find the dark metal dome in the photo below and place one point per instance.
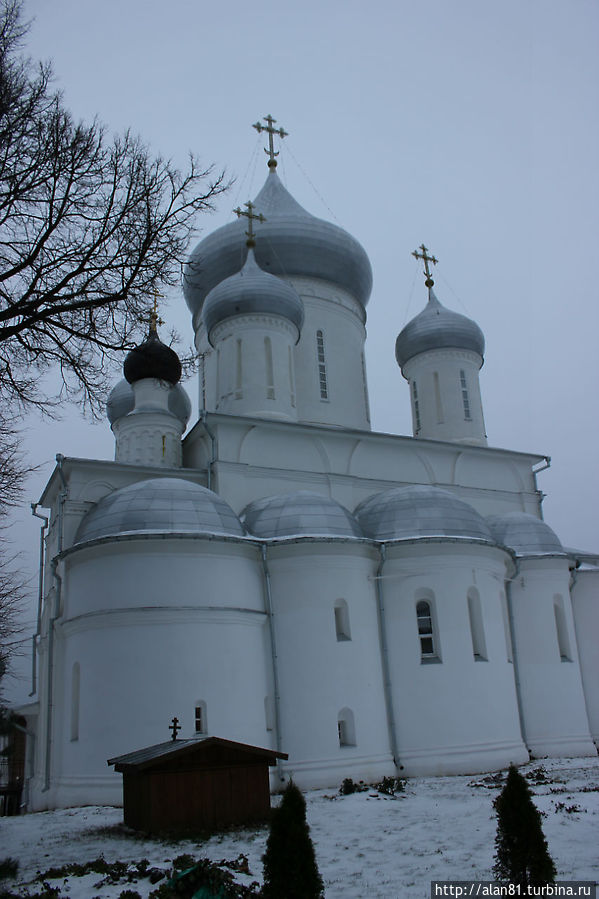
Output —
(152, 359)
(438, 328)
(121, 401)
(252, 290)
(160, 505)
(290, 242)
(302, 513)
(419, 511)
(526, 534)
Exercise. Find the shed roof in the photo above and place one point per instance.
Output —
(163, 752)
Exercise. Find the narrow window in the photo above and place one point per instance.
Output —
(342, 621)
(291, 377)
(322, 369)
(269, 712)
(563, 641)
(465, 397)
(238, 373)
(365, 382)
(270, 378)
(428, 650)
(506, 627)
(200, 718)
(438, 397)
(218, 377)
(477, 633)
(75, 690)
(346, 730)
(416, 407)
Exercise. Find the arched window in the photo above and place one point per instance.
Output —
(342, 629)
(270, 375)
(563, 641)
(269, 712)
(438, 402)
(429, 651)
(200, 717)
(465, 397)
(291, 377)
(75, 700)
(346, 729)
(416, 408)
(322, 367)
(477, 632)
(239, 372)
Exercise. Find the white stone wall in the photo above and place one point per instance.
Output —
(585, 606)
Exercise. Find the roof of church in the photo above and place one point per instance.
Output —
(437, 327)
(301, 513)
(159, 505)
(152, 359)
(143, 758)
(290, 242)
(252, 290)
(525, 534)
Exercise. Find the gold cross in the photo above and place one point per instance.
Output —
(426, 259)
(272, 162)
(154, 317)
(250, 216)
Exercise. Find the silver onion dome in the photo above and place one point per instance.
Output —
(302, 513)
(252, 290)
(160, 505)
(438, 328)
(290, 242)
(419, 511)
(526, 534)
(121, 401)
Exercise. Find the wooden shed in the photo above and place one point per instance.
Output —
(195, 784)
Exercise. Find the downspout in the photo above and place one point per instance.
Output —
(203, 419)
(40, 598)
(53, 617)
(385, 656)
(273, 651)
(515, 662)
(540, 493)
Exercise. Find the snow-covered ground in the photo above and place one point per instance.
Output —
(367, 845)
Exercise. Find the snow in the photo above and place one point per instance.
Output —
(367, 844)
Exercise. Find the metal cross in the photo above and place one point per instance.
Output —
(272, 162)
(426, 259)
(154, 317)
(175, 728)
(250, 216)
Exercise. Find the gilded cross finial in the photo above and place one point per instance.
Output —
(250, 216)
(155, 319)
(175, 728)
(426, 259)
(272, 162)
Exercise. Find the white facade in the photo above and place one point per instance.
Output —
(283, 576)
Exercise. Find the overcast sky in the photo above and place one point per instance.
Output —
(468, 125)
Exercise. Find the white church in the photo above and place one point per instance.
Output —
(279, 574)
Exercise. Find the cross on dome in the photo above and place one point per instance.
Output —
(272, 162)
(251, 216)
(426, 259)
(154, 318)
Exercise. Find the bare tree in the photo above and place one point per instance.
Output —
(89, 228)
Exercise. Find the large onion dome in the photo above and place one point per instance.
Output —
(152, 359)
(526, 534)
(252, 290)
(290, 242)
(160, 505)
(438, 328)
(121, 401)
(302, 513)
(419, 511)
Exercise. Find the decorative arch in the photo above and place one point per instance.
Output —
(477, 631)
(346, 728)
(342, 625)
(75, 700)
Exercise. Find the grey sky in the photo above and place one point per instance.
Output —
(468, 125)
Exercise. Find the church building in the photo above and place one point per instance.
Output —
(277, 573)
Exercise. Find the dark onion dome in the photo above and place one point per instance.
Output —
(252, 290)
(526, 534)
(438, 328)
(302, 513)
(160, 505)
(404, 513)
(289, 242)
(121, 401)
(152, 359)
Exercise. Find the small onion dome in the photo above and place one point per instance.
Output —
(152, 359)
(252, 290)
(160, 505)
(526, 534)
(299, 514)
(438, 328)
(290, 242)
(121, 401)
(419, 511)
